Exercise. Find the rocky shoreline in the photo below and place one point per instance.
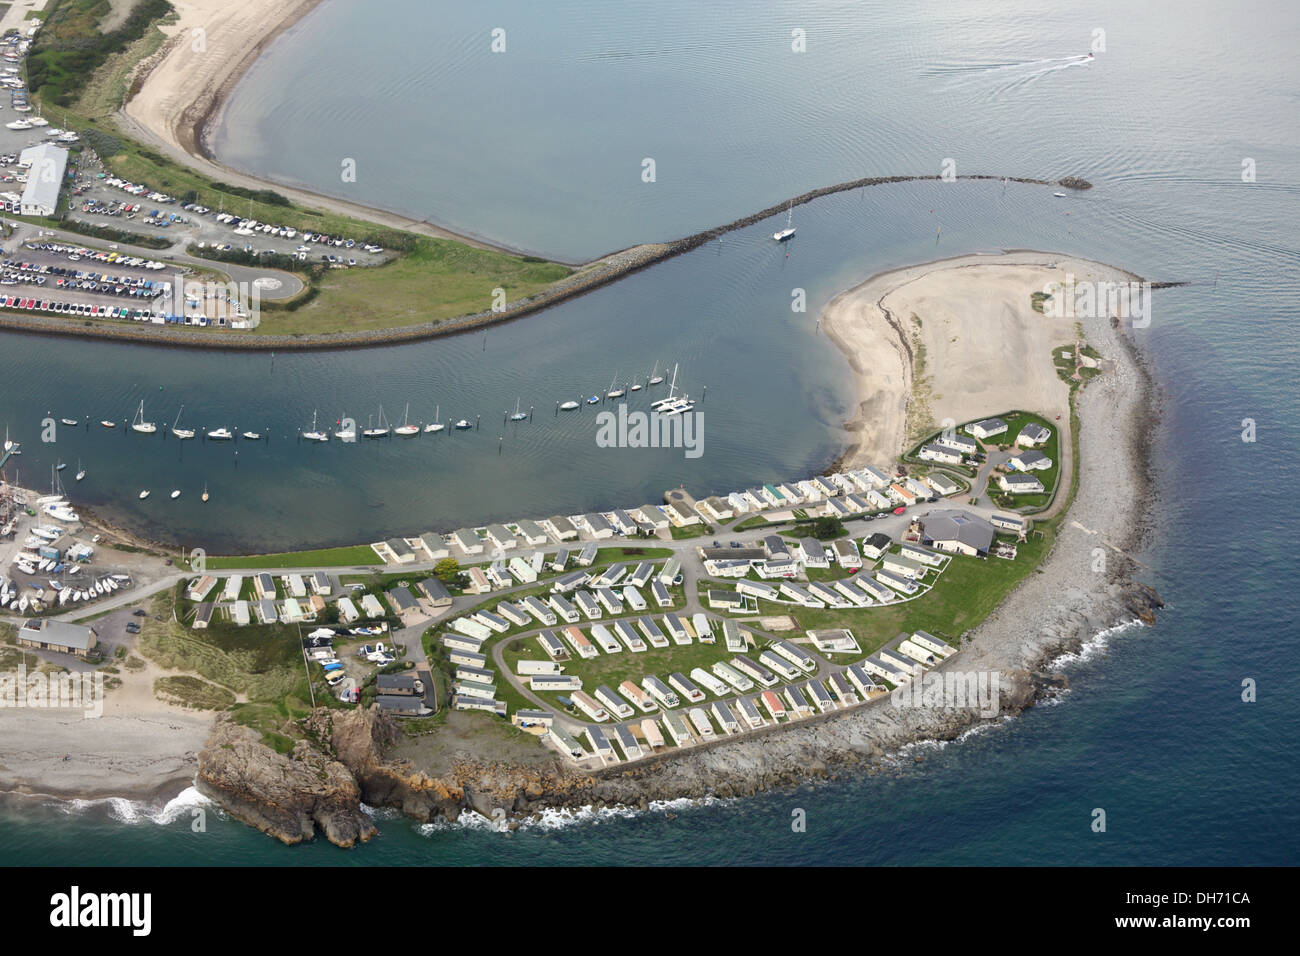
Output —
(1075, 595)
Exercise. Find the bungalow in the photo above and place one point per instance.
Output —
(239, 613)
(560, 528)
(725, 718)
(799, 596)
(478, 581)
(435, 592)
(531, 532)
(776, 547)
(1031, 460)
(778, 568)
(680, 515)
(797, 703)
(501, 537)
(1017, 483)
(676, 629)
(613, 703)
(631, 749)
(811, 552)
(402, 552)
(637, 696)
(578, 641)
(400, 706)
(403, 603)
(588, 606)
(922, 555)
(957, 532)
(941, 484)
(403, 685)
(62, 637)
(987, 429)
(775, 662)
(962, 443)
(932, 644)
(749, 713)
(661, 595)
(834, 641)
(862, 680)
(700, 721)
(652, 632)
(563, 607)
(1033, 434)
(605, 640)
(677, 729)
(267, 613)
(703, 630)
(732, 676)
(597, 526)
(552, 646)
(468, 541)
(898, 582)
(841, 688)
(757, 589)
(940, 453)
(846, 553)
(819, 696)
(660, 691)
(622, 521)
(434, 546)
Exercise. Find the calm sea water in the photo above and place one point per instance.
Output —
(541, 147)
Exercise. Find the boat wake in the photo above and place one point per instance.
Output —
(1007, 76)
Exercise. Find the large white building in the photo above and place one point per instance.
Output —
(47, 165)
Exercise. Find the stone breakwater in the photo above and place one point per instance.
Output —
(587, 278)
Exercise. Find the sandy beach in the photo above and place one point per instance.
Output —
(181, 90)
(979, 347)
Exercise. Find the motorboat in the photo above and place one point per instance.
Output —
(568, 406)
(251, 436)
(463, 425)
(107, 424)
(176, 494)
(144, 494)
(221, 434)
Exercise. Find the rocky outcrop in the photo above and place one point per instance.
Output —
(289, 796)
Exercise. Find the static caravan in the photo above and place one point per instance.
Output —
(725, 718)
(467, 541)
(587, 555)
(569, 582)
(921, 555)
(629, 637)
(703, 630)
(819, 696)
(495, 621)
(899, 564)
(875, 589)
(897, 582)
(561, 528)
(479, 674)
(533, 718)
(234, 584)
(611, 576)
(564, 608)
(879, 667)
(239, 613)
(598, 525)
(661, 595)
(826, 594)
(732, 676)
(842, 689)
(677, 729)
(578, 641)
(755, 671)
(932, 644)
(348, 612)
(468, 688)
(637, 696)
(501, 537)
(541, 612)
(521, 570)
(613, 703)
(732, 638)
(749, 713)
(609, 600)
(371, 607)
(434, 546)
(795, 654)
(650, 731)
(862, 680)
(588, 706)
(632, 597)
(852, 594)
(779, 664)
(529, 668)
(641, 575)
(462, 642)
(660, 691)
(631, 749)
(684, 686)
(588, 606)
(757, 590)
(600, 745)
(676, 630)
(652, 632)
(800, 596)
(555, 683)
(834, 641)
(531, 532)
(917, 653)
(898, 659)
(553, 647)
(565, 742)
(469, 627)
(605, 640)
(561, 560)
(703, 726)
(709, 682)
(668, 573)
(622, 521)
(513, 613)
(772, 704)
(478, 581)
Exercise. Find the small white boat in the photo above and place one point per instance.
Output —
(655, 378)
(220, 434)
(176, 493)
(251, 436)
(615, 392)
(144, 494)
(61, 465)
(463, 425)
(314, 434)
(70, 422)
(568, 406)
(81, 472)
(107, 424)
(140, 425)
(407, 430)
(204, 496)
(436, 425)
(1059, 195)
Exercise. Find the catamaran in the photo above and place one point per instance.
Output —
(518, 416)
(140, 425)
(436, 425)
(406, 430)
(315, 435)
(674, 404)
(788, 231)
(181, 433)
(379, 431)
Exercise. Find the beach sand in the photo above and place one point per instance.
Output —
(181, 91)
(979, 347)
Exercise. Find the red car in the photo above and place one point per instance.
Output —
(899, 510)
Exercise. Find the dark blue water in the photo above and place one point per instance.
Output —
(1153, 729)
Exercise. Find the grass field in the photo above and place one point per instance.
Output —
(359, 554)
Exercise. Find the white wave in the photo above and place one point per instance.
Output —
(1094, 646)
(556, 818)
(123, 810)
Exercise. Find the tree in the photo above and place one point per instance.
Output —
(447, 570)
(824, 529)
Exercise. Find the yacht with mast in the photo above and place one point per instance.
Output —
(406, 430)
(348, 433)
(179, 432)
(788, 231)
(140, 425)
(518, 416)
(674, 404)
(379, 431)
(436, 425)
(615, 392)
(315, 434)
(655, 378)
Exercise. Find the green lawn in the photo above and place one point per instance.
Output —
(358, 554)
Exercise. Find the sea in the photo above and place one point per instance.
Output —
(1185, 121)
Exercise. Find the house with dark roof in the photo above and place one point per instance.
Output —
(957, 532)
